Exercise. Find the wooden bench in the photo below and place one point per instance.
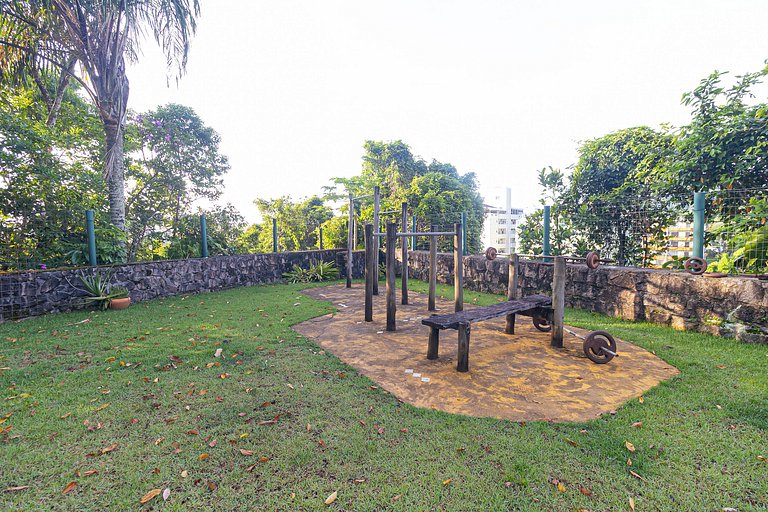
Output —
(537, 306)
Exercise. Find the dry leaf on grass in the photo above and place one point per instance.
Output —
(632, 503)
(245, 452)
(17, 488)
(150, 496)
(69, 487)
(166, 494)
(629, 446)
(561, 487)
(331, 498)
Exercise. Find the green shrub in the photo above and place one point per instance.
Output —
(321, 271)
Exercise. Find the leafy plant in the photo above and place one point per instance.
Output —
(321, 271)
(100, 290)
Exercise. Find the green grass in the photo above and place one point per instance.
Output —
(697, 449)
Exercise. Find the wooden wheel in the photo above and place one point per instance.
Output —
(695, 266)
(490, 253)
(592, 260)
(599, 347)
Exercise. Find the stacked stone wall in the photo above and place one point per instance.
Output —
(730, 306)
(35, 293)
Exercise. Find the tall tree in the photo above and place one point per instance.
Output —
(174, 161)
(99, 35)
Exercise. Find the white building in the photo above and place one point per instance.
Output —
(500, 226)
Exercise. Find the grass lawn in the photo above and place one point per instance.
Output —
(124, 402)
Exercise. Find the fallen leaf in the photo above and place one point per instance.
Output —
(66, 416)
(359, 481)
(290, 386)
(362, 422)
(263, 459)
(641, 400)
(637, 424)
(395, 498)
(101, 408)
(69, 487)
(571, 442)
(212, 486)
(192, 432)
(585, 491)
(17, 488)
(447, 482)
(309, 427)
(203, 456)
(632, 503)
(404, 430)
(184, 473)
(150, 496)
(629, 446)
(213, 443)
(629, 461)
(331, 498)
(166, 494)
(250, 468)
(761, 458)
(636, 475)
(91, 472)
(109, 448)
(218, 352)
(245, 452)
(561, 487)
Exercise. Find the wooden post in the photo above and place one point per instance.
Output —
(463, 355)
(514, 269)
(432, 270)
(350, 223)
(434, 343)
(458, 270)
(376, 229)
(391, 302)
(369, 272)
(558, 302)
(404, 246)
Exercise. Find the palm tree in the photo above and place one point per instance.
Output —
(98, 36)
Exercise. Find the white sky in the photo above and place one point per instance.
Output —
(501, 88)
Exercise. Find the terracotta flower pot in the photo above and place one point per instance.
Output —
(120, 303)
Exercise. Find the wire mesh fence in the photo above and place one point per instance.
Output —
(659, 232)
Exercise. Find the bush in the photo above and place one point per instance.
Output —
(321, 271)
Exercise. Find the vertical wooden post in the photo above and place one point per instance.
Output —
(463, 353)
(512, 294)
(404, 246)
(91, 230)
(434, 343)
(558, 302)
(458, 270)
(432, 270)
(369, 272)
(391, 302)
(376, 229)
(350, 221)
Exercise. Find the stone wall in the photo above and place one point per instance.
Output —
(730, 306)
(40, 292)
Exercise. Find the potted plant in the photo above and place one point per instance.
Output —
(103, 293)
(119, 298)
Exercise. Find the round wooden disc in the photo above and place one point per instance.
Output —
(594, 342)
(695, 266)
(592, 260)
(490, 253)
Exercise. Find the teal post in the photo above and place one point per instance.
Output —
(546, 232)
(203, 237)
(463, 233)
(91, 230)
(698, 224)
(321, 238)
(274, 235)
(413, 230)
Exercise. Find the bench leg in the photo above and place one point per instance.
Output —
(510, 328)
(463, 363)
(434, 343)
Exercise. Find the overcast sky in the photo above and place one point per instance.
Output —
(500, 88)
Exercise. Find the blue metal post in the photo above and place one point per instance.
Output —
(546, 232)
(90, 228)
(698, 224)
(413, 230)
(203, 237)
(463, 233)
(274, 235)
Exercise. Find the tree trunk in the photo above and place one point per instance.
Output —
(114, 173)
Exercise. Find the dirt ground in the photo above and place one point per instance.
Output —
(515, 377)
